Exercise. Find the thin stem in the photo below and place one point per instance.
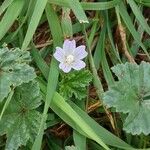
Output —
(96, 80)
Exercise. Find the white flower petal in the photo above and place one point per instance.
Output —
(59, 54)
(66, 68)
(69, 46)
(78, 65)
(80, 52)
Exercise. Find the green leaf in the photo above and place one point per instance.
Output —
(56, 32)
(36, 16)
(139, 16)
(14, 69)
(9, 17)
(78, 10)
(79, 140)
(127, 20)
(88, 5)
(71, 113)
(130, 95)
(4, 5)
(74, 84)
(84, 124)
(66, 22)
(21, 120)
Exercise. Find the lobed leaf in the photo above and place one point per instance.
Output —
(131, 95)
(14, 69)
(20, 121)
(74, 84)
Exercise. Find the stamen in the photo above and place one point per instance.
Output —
(69, 59)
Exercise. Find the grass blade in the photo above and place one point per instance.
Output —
(58, 103)
(53, 73)
(89, 5)
(81, 122)
(40, 62)
(139, 16)
(126, 18)
(78, 10)
(9, 17)
(4, 5)
(79, 140)
(36, 16)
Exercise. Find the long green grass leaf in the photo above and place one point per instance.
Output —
(59, 103)
(78, 10)
(75, 117)
(9, 17)
(126, 18)
(36, 16)
(139, 16)
(89, 5)
(53, 73)
(79, 140)
(40, 62)
(102, 57)
(81, 122)
(4, 5)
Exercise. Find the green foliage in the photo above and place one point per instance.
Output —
(31, 18)
(71, 148)
(21, 120)
(130, 95)
(74, 84)
(14, 69)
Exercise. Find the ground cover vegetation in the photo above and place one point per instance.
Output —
(74, 75)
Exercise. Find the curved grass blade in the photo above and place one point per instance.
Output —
(36, 16)
(106, 70)
(84, 124)
(116, 58)
(9, 17)
(89, 5)
(79, 140)
(29, 10)
(144, 2)
(127, 20)
(58, 103)
(4, 5)
(40, 62)
(78, 10)
(65, 110)
(53, 73)
(139, 15)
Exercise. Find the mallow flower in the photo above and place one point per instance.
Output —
(70, 56)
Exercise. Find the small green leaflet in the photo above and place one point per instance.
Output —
(21, 120)
(14, 69)
(131, 95)
(74, 84)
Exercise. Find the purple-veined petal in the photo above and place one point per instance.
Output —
(78, 65)
(59, 54)
(80, 52)
(69, 46)
(66, 68)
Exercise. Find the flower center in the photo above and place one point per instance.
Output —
(69, 59)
